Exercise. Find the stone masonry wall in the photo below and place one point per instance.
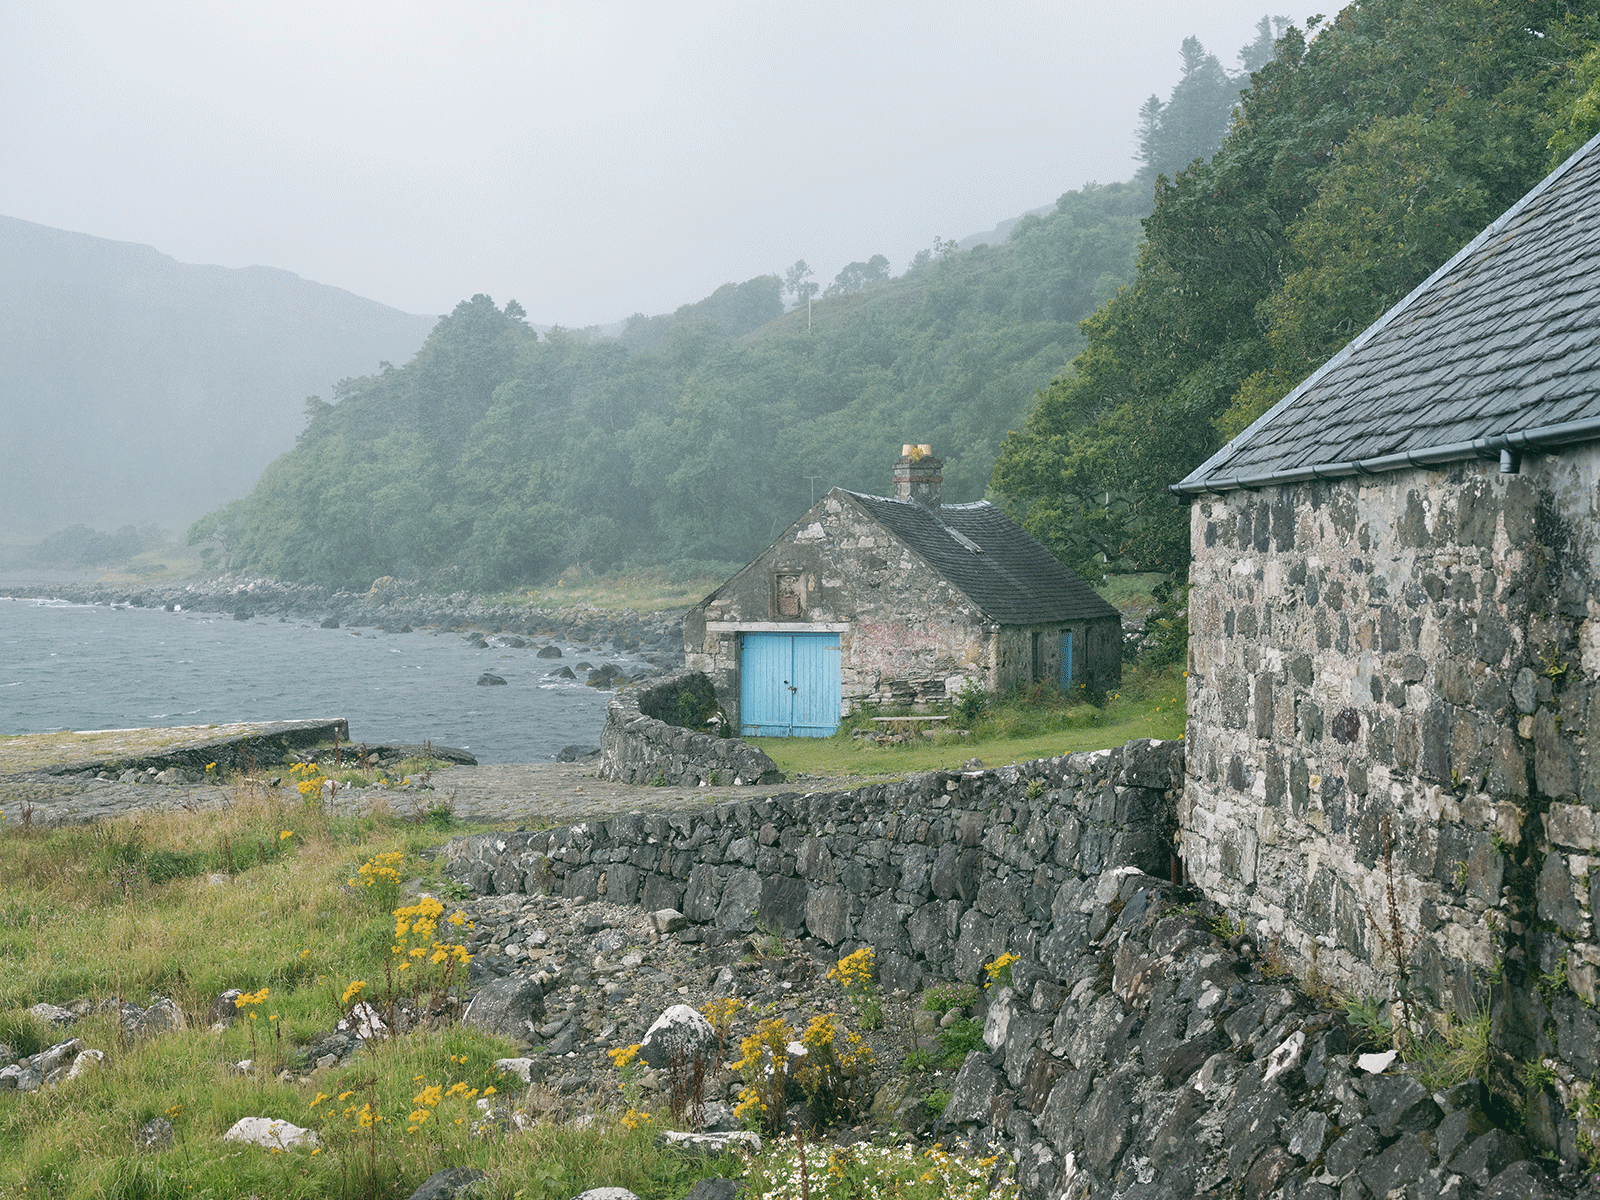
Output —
(635, 748)
(939, 873)
(1392, 681)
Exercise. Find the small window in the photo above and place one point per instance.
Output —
(789, 596)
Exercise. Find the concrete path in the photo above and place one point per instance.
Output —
(509, 794)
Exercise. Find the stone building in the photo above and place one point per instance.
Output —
(1395, 645)
(873, 599)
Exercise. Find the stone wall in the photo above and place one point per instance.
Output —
(1391, 684)
(939, 873)
(635, 748)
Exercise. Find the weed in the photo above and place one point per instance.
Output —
(1393, 941)
(764, 1062)
(942, 997)
(999, 971)
(854, 974)
(1367, 1019)
(835, 1073)
(1461, 1052)
(1035, 789)
(937, 1100)
(958, 1039)
(1225, 928)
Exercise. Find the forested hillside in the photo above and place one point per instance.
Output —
(500, 456)
(1363, 156)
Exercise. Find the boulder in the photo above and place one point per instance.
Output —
(511, 1008)
(549, 652)
(271, 1133)
(489, 679)
(451, 1183)
(679, 1034)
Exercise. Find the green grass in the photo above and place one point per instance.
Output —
(1037, 724)
(188, 904)
(643, 589)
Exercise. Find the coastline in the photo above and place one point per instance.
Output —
(658, 635)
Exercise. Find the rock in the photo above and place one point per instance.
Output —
(489, 679)
(330, 623)
(976, 1085)
(153, 1135)
(549, 652)
(606, 1193)
(511, 1008)
(574, 753)
(680, 1034)
(522, 1068)
(561, 673)
(273, 1134)
(715, 1188)
(52, 1015)
(668, 920)
(713, 1143)
(451, 1183)
(164, 1016)
(223, 1007)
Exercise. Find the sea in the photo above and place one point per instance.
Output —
(81, 667)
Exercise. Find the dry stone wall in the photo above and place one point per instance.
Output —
(636, 748)
(939, 873)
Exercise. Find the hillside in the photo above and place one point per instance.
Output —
(500, 456)
(141, 389)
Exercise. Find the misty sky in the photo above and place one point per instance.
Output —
(589, 160)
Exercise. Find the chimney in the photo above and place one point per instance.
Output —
(916, 476)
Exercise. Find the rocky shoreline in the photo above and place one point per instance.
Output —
(388, 605)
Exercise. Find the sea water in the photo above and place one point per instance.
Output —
(77, 666)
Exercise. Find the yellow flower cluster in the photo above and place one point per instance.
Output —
(379, 868)
(431, 1096)
(354, 990)
(633, 1118)
(310, 781)
(999, 971)
(245, 999)
(623, 1056)
(421, 921)
(764, 1059)
(854, 971)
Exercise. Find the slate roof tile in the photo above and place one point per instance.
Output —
(1503, 338)
(1014, 580)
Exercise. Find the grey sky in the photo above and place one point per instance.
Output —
(589, 160)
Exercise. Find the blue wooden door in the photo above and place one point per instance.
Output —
(789, 685)
(1066, 660)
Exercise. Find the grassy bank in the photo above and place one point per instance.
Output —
(1040, 723)
(256, 896)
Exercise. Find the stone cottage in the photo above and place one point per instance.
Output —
(1394, 662)
(899, 599)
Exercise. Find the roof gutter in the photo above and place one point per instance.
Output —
(1508, 447)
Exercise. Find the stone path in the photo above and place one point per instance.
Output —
(509, 794)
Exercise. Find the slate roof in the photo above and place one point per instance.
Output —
(1499, 349)
(1000, 568)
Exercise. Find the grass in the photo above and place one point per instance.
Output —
(642, 589)
(1040, 723)
(187, 905)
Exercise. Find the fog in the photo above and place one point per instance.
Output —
(590, 160)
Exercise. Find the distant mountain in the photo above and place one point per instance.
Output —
(135, 388)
